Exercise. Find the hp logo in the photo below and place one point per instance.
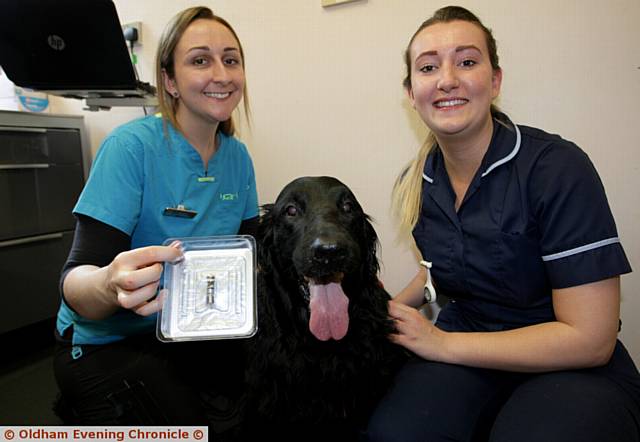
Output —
(56, 42)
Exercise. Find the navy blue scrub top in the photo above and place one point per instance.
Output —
(534, 218)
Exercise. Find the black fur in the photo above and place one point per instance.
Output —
(302, 388)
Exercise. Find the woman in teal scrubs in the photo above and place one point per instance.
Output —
(180, 173)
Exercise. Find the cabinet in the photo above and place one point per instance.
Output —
(44, 160)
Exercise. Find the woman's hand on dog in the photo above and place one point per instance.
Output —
(416, 333)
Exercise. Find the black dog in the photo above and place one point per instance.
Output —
(321, 358)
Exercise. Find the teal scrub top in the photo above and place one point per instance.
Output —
(142, 168)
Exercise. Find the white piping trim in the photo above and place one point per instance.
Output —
(593, 245)
(513, 153)
(426, 178)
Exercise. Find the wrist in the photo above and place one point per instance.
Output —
(444, 346)
(106, 287)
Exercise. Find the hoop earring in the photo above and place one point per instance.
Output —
(176, 94)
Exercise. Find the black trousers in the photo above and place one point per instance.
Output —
(141, 381)
(441, 402)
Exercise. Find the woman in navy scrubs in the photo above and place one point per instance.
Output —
(518, 233)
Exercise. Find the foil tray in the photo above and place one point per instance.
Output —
(211, 293)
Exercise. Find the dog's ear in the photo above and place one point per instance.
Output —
(266, 210)
(371, 264)
(265, 236)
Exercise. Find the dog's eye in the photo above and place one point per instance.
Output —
(291, 210)
(347, 206)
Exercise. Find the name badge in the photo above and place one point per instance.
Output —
(179, 211)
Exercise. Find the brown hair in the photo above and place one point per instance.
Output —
(407, 190)
(167, 103)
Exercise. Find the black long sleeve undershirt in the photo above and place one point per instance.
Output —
(96, 243)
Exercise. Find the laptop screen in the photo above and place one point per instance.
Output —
(70, 45)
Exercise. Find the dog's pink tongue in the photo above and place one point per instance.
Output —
(329, 311)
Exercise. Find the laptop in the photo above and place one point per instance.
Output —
(72, 48)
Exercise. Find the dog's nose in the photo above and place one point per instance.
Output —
(324, 251)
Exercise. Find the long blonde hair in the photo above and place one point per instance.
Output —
(167, 103)
(407, 190)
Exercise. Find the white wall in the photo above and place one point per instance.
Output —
(325, 88)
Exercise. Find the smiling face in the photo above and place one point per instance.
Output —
(452, 81)
(208, 74)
